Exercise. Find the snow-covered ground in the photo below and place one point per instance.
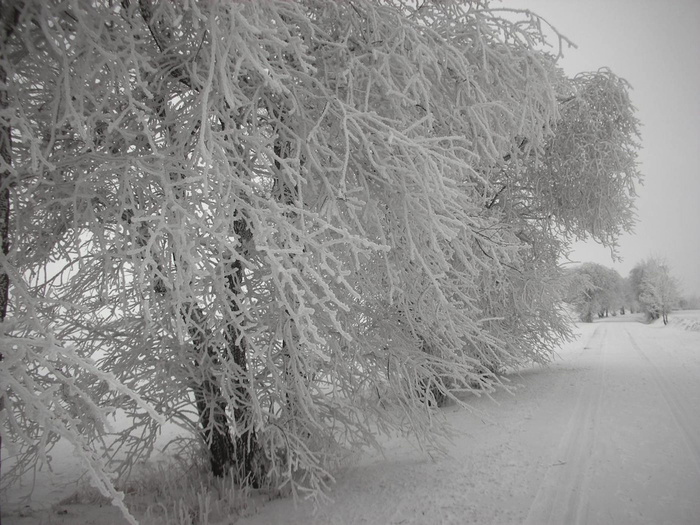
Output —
(609, 433)
(687, 320)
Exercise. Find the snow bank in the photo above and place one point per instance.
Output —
(685, 320)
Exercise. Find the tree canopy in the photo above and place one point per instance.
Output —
(654, 288)
(285, 225)
(595, 290)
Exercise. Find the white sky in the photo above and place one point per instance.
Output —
(655, 46)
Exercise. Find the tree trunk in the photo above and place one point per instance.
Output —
(211, 406)
(6, 154)
(285, 192)
(428, 389)
(246, 444)
(9, 17)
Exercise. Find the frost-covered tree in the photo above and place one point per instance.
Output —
(595, 290)
(656, 290)
(285, 225)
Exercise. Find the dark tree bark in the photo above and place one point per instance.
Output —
(211, 405)
(285, 192)
(9, 17)
(428, 390)
(246, 444)
(8, 20)
(6, 154)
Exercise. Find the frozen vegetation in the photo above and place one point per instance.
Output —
(597, 291)
(289, 232)
(608, 433)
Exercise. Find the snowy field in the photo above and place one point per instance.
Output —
(609, 433)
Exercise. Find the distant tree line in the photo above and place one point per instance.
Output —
(689, 302)
(598, 291)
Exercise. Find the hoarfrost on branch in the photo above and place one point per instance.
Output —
(286, 225)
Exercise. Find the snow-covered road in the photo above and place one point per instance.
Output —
(607, 434)
(610, 433)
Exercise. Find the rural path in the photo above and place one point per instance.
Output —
(609, 433)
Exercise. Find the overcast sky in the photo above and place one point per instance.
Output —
(655, 46)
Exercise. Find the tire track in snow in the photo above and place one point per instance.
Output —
(679, 408)
(560, 496)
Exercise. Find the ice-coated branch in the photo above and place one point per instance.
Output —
(307, 220)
